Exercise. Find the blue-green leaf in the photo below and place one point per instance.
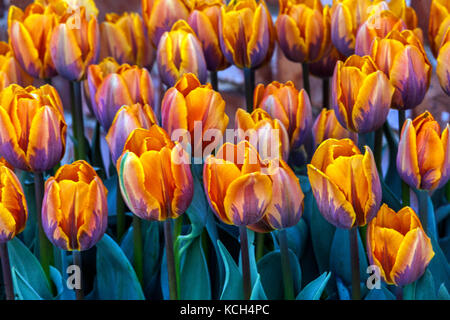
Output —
(22, 289)
(443, 293)
(232, 287)
(258, 290)
(442, 213)
(425, 289)
(314, 289)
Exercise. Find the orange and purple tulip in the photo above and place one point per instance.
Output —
(160, 15)
(443, 64)
(111, 86)
(267, 135)
(14, 213)
(327, 126)
(204, 20)
(126, 120)
(32, 127)
(124, 37)
(191, 106)
(345, 183)
(75, 209)
(10, 70)
(285, 103)
(324, 68)
(237, 189)
(398, 245)
(286, 207)
(439, 24)
(246, 33)
(155, 175)
(423, 158)
(401, 56)
(179, 52)
(361, 94)
(303, 30)
(73, 5)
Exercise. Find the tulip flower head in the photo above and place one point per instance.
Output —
(327, 126)
(345, 183)
(443, 64)
(32, 127)
(10, 70)
(423, 158)
(154, 175)
(14, 213)
(74, 209)
(398, 245)
(439, 24)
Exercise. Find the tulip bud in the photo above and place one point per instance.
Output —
(398, 245)
(327, 126)
(10, 70)
(345, 183)
(439, 24)
(155, 176)
(423, 158)
(14, 213)
(361, 94)
(126, 120)
(74, 209)
(443, 64)
(324, 68)
(32, 127)
(237, 190)
(303, 30)
(180, 52)
(285, 103)
(246, 33)
(111, 86)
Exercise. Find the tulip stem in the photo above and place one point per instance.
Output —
(245, 263)
(120, 214)
(286, 266)
(378, 150)
(138, 248)
(214, 80)
(447, 191)
(405, 187)
(97, 160)
(305, 73)
(326, 93)
(76, 255)
(354, 256)
(178, 224)
(259, 245)
(249, 75)
(6, 268)
(423, 209)
(77, 122)
(170, 260)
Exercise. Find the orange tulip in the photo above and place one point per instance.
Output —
(303, 29)
(327, 126)
(439, 24)
(126, 120)
(180, 52)
(398, 245)
(14, 212)
(124, 37)
(32, 127)
(443, 64)
(285, 103)
(236, 188)
(110, 86)
(74, 209)
(246, 33)
(345, 183)
(5, 163)
(155, 176)
(91, 8)
(423, 158)
(10, 70)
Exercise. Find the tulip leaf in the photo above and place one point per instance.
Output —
(258, 290)
(112, 185)
(443, 293)
(232, 287)
(297, 236)
(314, 289)
(57, 279)
(442, 213)
(116, 279)
(23, 290)
(251, 255)
(343, 291)
(151, 250)
(422, 289)
(389, 197)
(127, 245)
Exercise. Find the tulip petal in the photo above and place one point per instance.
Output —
(407, 162)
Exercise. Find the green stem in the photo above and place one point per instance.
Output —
(326, 93)
(214, 80)
(120, 207)
(76, 255)
(405, 194)
(178, 224)
(247, 286)
(259, 245)
(423, 209)
(6, 268)
(97, 160)
(286, 267)
(305, 74)
(447, 191)
(378, 149)
(78, 122)
(170, 260)
(354, 256)
(249, 75)
(138, 248)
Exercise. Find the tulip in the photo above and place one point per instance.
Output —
(423, 158)
(155, 176)
(361, 94)
(443, 64)
(196, 109)
(237, 189)
(32, 127)
(285, 103)
(180, 52)
(246, 33)
(327, 126)
(204, 20)
(303, 30)
(71, 5)
(401, 56)
(124, 37)
(324, 68)
(14, 213)
(267, 135)
(5, 163)
(398, 245)
(126, 120)
(345, 183)
(439, 24)
(160, 15)
(111, 86)
(10, 70)
(74, 209)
